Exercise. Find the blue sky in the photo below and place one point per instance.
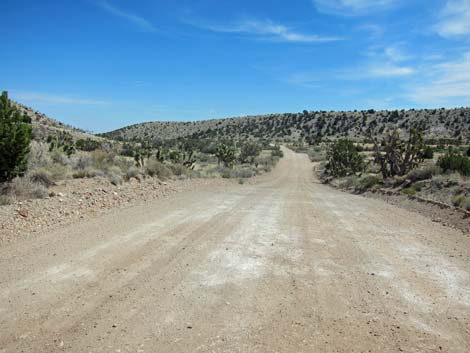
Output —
(103, 64)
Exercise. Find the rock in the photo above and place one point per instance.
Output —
(23, 213)
(60, 194)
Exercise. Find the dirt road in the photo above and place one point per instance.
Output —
(286, 265)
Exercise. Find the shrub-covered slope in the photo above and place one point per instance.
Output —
(440, 124)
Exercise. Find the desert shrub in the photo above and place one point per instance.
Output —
(454, 161)
(225, 172)
(316, 155)
(58, 157)
(423, 173)
(62, 141)
(23, 188)
(458, 200)
(466, 204)
(157, 169)
(87, 145)
(343, 159)
(39, 155)
(83, 161)
(94, 173)
(102, 159)
(348, 182)
(132, 172)
(369, 181)
(242, 173)
(113, 169)
(4, 200)
(123, 163)
(58, 171)
(79, 174)
(266, 163)
(206, 158)
(42, 176)
(277, 152)
(88, 173)
(411, 191)
(225, 154)
(179, 169)
(249, 151)
(15, 136)
(428, 152)
(419, 185)
(115, 179)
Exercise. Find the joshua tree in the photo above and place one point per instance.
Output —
(397, 156)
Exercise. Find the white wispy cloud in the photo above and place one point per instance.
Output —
(45, 98)
(354, 7)
(454, 19)
(137, 20)
(371, 71)
(444, 82)
(394, 53)
(388, 70)
(265, 30)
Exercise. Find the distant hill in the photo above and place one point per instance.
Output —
(43, 126)
(453, 124)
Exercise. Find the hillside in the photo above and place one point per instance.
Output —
(44, 126)
(440, 124)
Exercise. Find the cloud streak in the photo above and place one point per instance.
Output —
(448, 81)
(353, 7)
(266, 30)
(35, 97)
(138, 21)
(454, 19)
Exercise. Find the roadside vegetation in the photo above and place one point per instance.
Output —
(421, 153)
(397, 163)
(31, 163)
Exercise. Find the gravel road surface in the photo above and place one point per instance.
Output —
(282, 265)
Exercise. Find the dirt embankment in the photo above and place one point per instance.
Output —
(75, 200)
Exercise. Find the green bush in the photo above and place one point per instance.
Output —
(277, 152)
(454, 161)
(62, 141)
(369, 181)
(428, 152)
(15, 136)
(87, 145)
(411, 191)
(458, 200)
(343, 159)
(249, 151)
(225, 154)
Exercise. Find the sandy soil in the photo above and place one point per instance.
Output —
(282, 265)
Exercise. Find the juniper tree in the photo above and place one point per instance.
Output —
(15, 136)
